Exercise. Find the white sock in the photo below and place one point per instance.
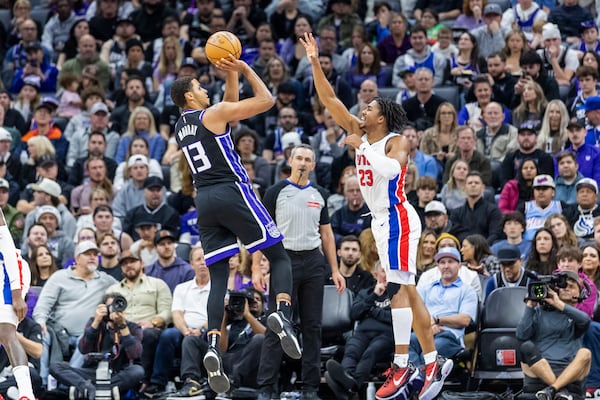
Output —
(402, 324)
(401, 360)
(430, 357)
(21, 374)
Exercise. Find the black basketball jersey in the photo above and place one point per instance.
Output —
(211, 158)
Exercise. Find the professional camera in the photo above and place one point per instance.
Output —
(538, 289)
(118, 304)
(237, 301)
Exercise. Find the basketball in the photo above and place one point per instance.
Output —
(221, 44)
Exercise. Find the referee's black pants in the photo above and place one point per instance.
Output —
(308, 275)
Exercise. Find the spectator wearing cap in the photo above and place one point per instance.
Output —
(560, 61)
(569, 16)
(477, 216)
(46, 166)
(88, 55)
(68, 298)
(131, 194)
(531, 64)
(79, 144)
(134, 59)
(436, 218)
(113, 51)
(80, 195)
(588, 30)
(587, 79)
(36, 68)
(104, 23)
(154, 208)
(543, 205)
(144, 247)
(46, 193)
(490, 38)
(89, 97)
(14, 219)
(513, 226)
(419, 56)
(148, 304)
(527, 141)
(138, 145)
(523, 16)
(512, 272)
(451, 316)
(28, 98)
(44, 127)
(169, 267)
(135, 92)
(57, 28)
(567, 177)
(581, 217)
(169, 112)
(12, 162)
(592, 113)
(588, 155)
(60, 244)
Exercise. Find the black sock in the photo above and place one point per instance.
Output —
(285, 308)
(213, 340)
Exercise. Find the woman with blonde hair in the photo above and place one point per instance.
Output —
(38, 148)
(169, 61)
(439, 141)
(141, 123)
(453, 193)
(559, 225)
(426, 251)
(533, 104)
(515, 44)
(552, 137)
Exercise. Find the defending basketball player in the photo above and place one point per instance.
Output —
(227, 207)
(15, 277)
(381, 164)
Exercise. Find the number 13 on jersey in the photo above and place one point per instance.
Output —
(196, 157)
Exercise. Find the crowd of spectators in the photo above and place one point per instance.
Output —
(503, 103)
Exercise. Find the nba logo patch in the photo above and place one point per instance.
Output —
(273, 230)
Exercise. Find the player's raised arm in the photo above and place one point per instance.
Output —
(232, 87)
(338, 111)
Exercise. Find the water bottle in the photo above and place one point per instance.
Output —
(170, 388)
(52, 383)
(371, 391)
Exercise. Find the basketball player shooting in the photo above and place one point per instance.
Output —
(381, 163)
(14, 276)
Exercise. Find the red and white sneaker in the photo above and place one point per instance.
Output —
(435, 373)
(397, 381)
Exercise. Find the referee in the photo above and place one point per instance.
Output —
(299, 209)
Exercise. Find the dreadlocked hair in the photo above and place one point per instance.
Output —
(394, 114)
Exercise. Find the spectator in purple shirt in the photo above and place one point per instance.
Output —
(170, 268)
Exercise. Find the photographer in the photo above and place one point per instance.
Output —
(37, 70)
(107, 332)
(551, 330)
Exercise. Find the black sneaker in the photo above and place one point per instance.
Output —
(563, 394)
(546, 393)
(284, 330)
(217, 379)
(191, 388)
(338, 390)
(338, 374)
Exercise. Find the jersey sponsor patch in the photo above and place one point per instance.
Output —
(313, 204)
(273, 230)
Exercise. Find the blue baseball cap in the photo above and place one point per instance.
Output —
(447, 252)
(591, 103)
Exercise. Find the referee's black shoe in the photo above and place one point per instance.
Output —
(282, 327)
(217, 380)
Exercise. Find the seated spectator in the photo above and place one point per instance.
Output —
(287, 132)
(477, 216)
(169, 267)
(15, 220)
(426, 165)
(569, 16)
(453, 192)
(419, 56)
(246, 144)
(398, 42)
(581, 217)
(472, 112)
(56, 29)
(87, 56)
(137, 145)
(471, 16)
(350, 219)
(439, 141)
(543, 205)
(105, 223)
(567, 178)
(532, 106)
(587, 78)
(588, 31)
(532, 66)
(542, 256)
(478, 257)
(445, 44)
(523, 16)
(70, 102)
(96, 147)
(465, 65)
(168, 64)
(135, 92)
(367, 91)
(451, 316)
(368, 66)
(436, 218)
(27, 99)
(113, 50)
(559, 225)
(45, 127)
(560, 61)
(132, 193)
(110, 254)
(513, 226)
(357, 277)
(103, 332)
(446, 11)
(144, 247)
(97, 173)
(80, 27)
(422, 107)
(35, 70)
(552, 137)
(42, 263)
(490, 37)
(343, 17)
(277, 72)
(590, 263)
(141, 123)
(372, 341)
(426, 252)
(569, 259)
(588, 155)
(89, 97)
(466, 151)
(527, 140)
(518, 191)
(426, 191)
(379, 27)
(556, 346)
(148, 305)
(79, 288)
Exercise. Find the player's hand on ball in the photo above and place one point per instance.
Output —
(231, 64)
(310, 45)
